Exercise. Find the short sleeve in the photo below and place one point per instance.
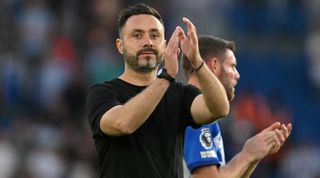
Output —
(190, 92)
(199, 149)
(100, 99)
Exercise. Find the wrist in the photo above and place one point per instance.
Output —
(163, 74)
(248, 156)
(197, 67)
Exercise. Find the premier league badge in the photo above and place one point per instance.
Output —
(206, 138)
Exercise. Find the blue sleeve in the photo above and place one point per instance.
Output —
(199, 148)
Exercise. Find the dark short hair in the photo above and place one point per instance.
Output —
(137, 9)
(209, 47)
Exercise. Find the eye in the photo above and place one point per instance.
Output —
(154, 35)
(137, 35)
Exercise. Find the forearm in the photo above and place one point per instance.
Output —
(250, 170)
(127, 118)
(214, 93)
(240, 166)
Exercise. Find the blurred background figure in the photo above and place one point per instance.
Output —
(52, 51)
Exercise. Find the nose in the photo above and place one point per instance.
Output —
(148, 42)
(237, 75)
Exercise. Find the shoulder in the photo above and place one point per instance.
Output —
(107, 85)
(102, 89)
(210, 127)
(204, 131)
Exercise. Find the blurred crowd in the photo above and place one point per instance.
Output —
(52, 51)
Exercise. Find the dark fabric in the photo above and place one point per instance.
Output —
(154, 150)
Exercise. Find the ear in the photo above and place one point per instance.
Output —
(214, 65)
(119, 44)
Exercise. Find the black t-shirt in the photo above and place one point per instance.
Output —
(155, 149)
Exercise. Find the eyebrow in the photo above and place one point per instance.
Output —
(137, 30)
(154, 30)
(151, 30)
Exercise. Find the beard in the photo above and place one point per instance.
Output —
(134, 62)
(231, 94)
(230, 90)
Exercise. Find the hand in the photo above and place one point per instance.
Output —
(283, 133)
(190, 44)
(267, 141)
(171, 53)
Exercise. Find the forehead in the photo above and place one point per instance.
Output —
(142, 22)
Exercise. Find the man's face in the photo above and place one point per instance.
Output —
(229, 74)
(142, 42)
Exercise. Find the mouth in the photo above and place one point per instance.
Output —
(147, 52)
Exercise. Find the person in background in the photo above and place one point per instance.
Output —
(204, 151)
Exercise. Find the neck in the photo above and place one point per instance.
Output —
(138, 78)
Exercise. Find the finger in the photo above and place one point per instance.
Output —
(285, 130)
(274, 137)
(270, 142)
(289, 126)
(277, 144)
(189, 24)
(274, 126)
(270, 147)
(181, 34)
(173, 40)
(192, 31)
(275, 148)
(281, 135)
(190, 27)
(269, 137)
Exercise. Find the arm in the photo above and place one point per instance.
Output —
(282, 133)
(250, 170)
(243, 164)
(237, 167)
(213, 103)
(125, 119)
